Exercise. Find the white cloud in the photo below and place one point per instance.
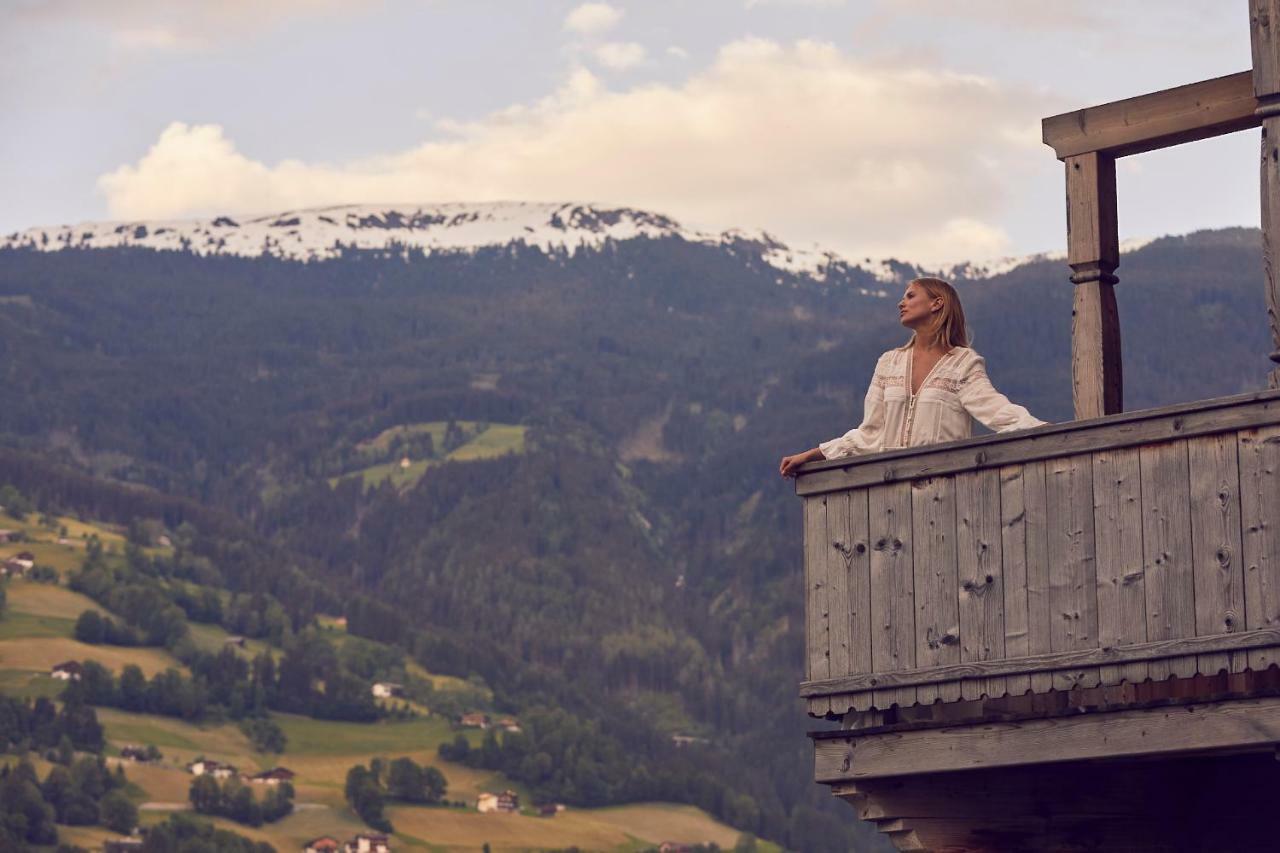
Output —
(802, 140)
(592, 18)
(677, 52)
(620, 55)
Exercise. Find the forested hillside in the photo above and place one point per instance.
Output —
(555, 472)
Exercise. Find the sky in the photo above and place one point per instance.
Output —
(873, 128)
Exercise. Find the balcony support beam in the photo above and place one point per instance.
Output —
(1240, 725)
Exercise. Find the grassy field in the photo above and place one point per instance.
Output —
(63, 553)
(487, 442)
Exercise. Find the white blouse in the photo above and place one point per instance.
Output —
(955, 392)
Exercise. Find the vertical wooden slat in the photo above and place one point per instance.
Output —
(933, 527)
(981, 574)
(817, 613)
(1215, 539)
(1013, 549)
(860, 583)
(1117, 522)
(1073, 580)
(1039, 592)
(893, 609)
(838, 553)
(1259, 451)
(1166, 547)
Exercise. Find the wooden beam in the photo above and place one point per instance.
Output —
(1236, 725)
(1049, 662)
(1264, 22)
(1203, 417)
(1093, 252)
(1157, 120)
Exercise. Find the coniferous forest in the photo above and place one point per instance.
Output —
(627, 572)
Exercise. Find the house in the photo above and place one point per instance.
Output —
(507, 802)
(25, 555)
(67, 671)
(687, 740)
(474, 720)
(368, 843)
(9, 535)
(164, 541)
(509, 724)
(674, 847)
(323, 844)
(140, 754)
(387, 689)
(274, 776)
(548, 810)
(234, 641)
(207, 766)
(15, 568)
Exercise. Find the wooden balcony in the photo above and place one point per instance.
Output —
(1006, 625)
(1123, 549)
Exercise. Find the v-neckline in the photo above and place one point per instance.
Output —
(911, 355)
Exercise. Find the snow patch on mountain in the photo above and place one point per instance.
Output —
(323, 233)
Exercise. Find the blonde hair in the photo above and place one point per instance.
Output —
(947, 328)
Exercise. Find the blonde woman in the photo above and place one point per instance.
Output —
(929, 390)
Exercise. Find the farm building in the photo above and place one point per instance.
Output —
(209, 767)
(323, 844)
(387, 689)
(67, 671)
(274, 776)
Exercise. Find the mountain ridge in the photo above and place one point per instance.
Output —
(323, 233)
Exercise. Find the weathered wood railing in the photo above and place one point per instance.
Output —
(1131, 547)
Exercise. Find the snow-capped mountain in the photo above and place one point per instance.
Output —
(321, 233)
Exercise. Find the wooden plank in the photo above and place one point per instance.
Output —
(933, 538)
(1073, 594)
(1157, 120)
(981, 574)
(1039, 600)
(1129, 429)
(817, 613)
(1164, 731)
(1166, 551)
(1264, 22)
(1013, 550)
(838, 555)
(1259, 513)
(1215, 537)
(1117, 523)
(1187, 647)
(893, 609)
(860, 583)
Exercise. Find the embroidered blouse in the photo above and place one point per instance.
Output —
(955, 392)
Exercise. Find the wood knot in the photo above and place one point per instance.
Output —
(861, 547)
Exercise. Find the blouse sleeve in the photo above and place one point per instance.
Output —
(988, 406)
(868, 437)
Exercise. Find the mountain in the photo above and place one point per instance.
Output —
(553, 464)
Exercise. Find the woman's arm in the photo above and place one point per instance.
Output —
(865, 439)
(988, 406)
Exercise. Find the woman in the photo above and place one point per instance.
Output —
(926, 391)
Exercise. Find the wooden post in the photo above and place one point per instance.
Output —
(1093, 252)
(1264, 21)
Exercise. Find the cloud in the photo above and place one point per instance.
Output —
(619, 55)
(802, 140)
(592, 18)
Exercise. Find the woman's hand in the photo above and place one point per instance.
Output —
(790, 464)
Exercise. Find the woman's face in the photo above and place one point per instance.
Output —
(917, 307)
